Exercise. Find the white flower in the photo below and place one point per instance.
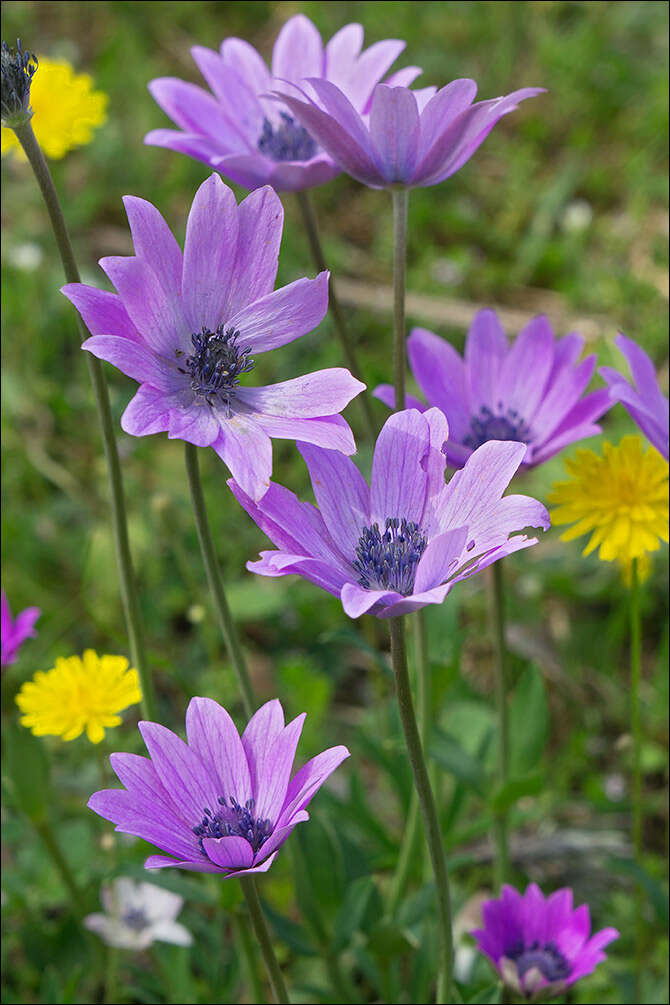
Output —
(137, 914)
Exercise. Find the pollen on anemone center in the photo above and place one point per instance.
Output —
(503, 425)
(388, 560)
(216, 364)
(288, 141)
(546, 958)
(233, 820)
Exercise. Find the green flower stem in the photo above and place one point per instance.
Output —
(427, 804)
(636, 730)
(45, 832)
(112, 976)
(351, 359)
(400, 197)
(223, 614)
(498, 620)
(411, 848)
(129, 598)
(248, 884)
(244, 940)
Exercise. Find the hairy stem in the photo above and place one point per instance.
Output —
(636, 731)
(498, 620)
(250, 891)
(343, 333)
(226, 623)
(400, 197)
(427, 804)
(129, 598)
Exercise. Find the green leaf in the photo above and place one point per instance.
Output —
(450, 755)
(293, 934)
(386, 941)
(489, 996)
(27, 771)
(657, 895)
(515, 789)
(355, 907)
(528, 723)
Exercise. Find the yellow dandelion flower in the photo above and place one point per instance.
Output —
(621, 499)
(79, 693)
(65, 107)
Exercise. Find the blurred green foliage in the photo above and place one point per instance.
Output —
(564, 207)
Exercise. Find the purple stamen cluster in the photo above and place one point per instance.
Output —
(217, 364)
(17, 74)
(388, 560)
(286, 142)
(233, 820)
(505, 425)
(136, 919)
(546, 958)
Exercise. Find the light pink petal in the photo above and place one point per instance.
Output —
(263, 728)
(102, 312)
(399, 481)
(440, 373)
(231, 852)
(212, 735)
(261, 219)
(448, 103)
(282, 316)
(342, 54)
(191, 107)
(308, 780)
(154, 242)
(276, 771)
(485, 351)
(147, 412)
(474, 491)
(369, 69)
(247, 451)
(298, 51)
(394, 131)
(440, 559)
(357, 600)
(329, 431)
(209, 254)
(243, 58)
(325, 392)
(341, 493)
(159, 321)
(239, 104)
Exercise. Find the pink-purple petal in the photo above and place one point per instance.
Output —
(440, 373)
(247, 451)
(394, 132)
(485, 351)
(191, 785)
(212, 735)
(260, 219)
(276, 771)
(399, 481)
(440, 559)
(308, 780)
(159, 321)
(341, 493)
(263, 728)
(154, 242)
(135, 359)
(231, 852)
(298, 51)
(278, 836)
(209, 255)
(325, 392)
(282, 316)
(102, 312)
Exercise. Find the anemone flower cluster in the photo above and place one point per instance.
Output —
(531, 392)
(540, 947)
(407, 539)
(16, 630)
(189, 328)
(644, 400)
(217, 803)
(407, 139)
(246, 135)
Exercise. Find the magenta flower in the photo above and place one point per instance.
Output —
(190, 327)
(246, 135)
(540, 947)
(530, 392)
(217, 803)
(644, 402)
(406, 540)
(408, 139)
(15, 630)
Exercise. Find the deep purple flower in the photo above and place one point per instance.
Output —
(645, 403)
(409, 139)
(406, 540)
(15, 630)
(530, 392)
(248, 136)
(190, 327)
(217, 803)
(539, 947)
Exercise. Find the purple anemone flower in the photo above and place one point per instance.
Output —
(540, 947)
(217, 803)
(407, 138)
(530, 392)
(15, 630)
(406, 540)
(189, 328)
(645, 403)
(248, 136)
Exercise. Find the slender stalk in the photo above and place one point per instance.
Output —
(636, 730)
(346, 341)
(248, 884)
(427, 803)
(217, 591)
(59, 860)
(498, 619)
(112, 976)
(244, 940)
(129, 598)
(410, 849)
(400, 197)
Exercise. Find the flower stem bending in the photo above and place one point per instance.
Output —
(427, 803)
(250, 891)
(498, 619)
(410, 849)
(129, 598)
(223, 614)
(311, 227)
(636, 730)
(400, 197)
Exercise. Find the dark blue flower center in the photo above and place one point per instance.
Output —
(17, 68)
(501, 425)
(217, 363)
(288, 141)
(546, 958)
(387, 560)
(135, 918)
(233, 819)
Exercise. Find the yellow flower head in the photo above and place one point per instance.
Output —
(621, 497)
(79, 693)
(65, 107)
